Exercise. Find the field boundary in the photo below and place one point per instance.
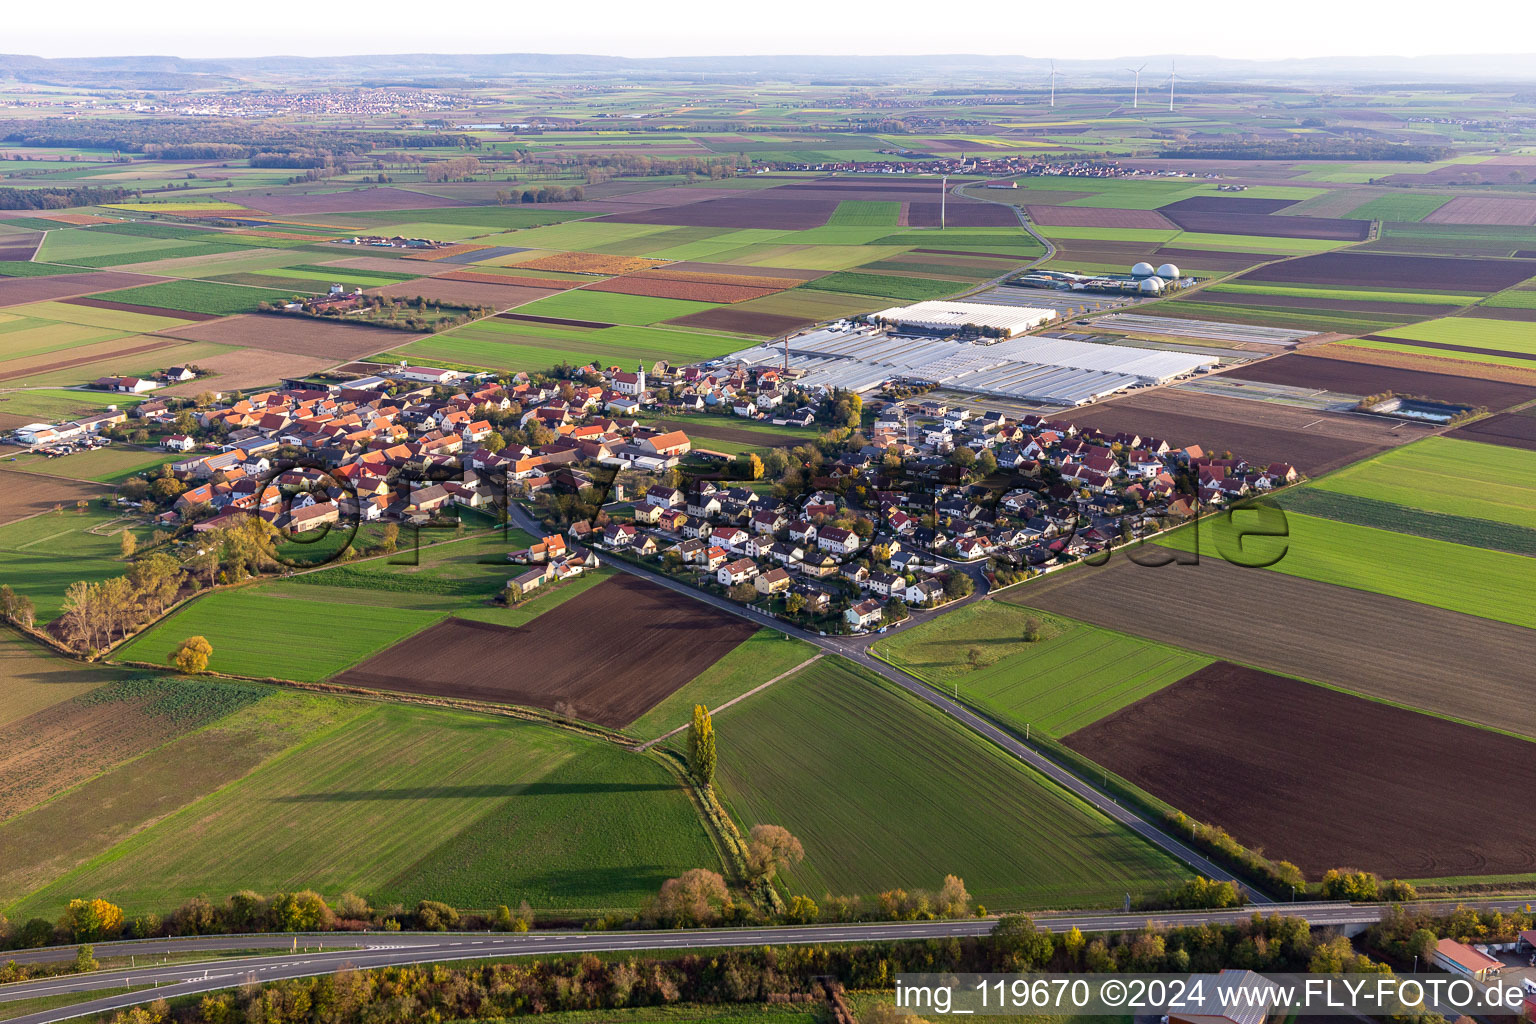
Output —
(648, 744)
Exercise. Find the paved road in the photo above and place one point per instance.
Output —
(399, 948)
(856, 648)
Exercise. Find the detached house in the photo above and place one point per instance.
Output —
(739, 571)
(838, 541)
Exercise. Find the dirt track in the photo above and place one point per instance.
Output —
(1323, 779)
(609, 654)
(1446, 662)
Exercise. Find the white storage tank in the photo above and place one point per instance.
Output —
(1168, 272)
(1151, 286)
(1142, 270)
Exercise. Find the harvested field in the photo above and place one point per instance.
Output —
(741, 210)
(960, 215)
(1268, 225)
(19, 368)
(447, 253)
(1310, 371)
(1380, 270)
(1011, 257)
(246, 369)
(1097, 217)
(1311, 441)
(53, 749)
(733, 270)
(129, 307)
(356, 201)
(725, 277)
(558, 321)
(1512, 430)
(1229, 205)
(1282, 765)
(735, 435)
(652, 641)
(300, 336)
(33, 678)
(1507, 211)
(1510, 313)
(20, 248)
(591, 263)
(741, 321)
(1302, 302)
(465, 293)
(696, 292)
(1215, 259)
(1382, 646)
(17, 290)
(505, 280)
(1345, 352)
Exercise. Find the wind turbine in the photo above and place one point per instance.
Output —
(943, 196)
(1173, 76)
(1053, 84)
(1136, 89)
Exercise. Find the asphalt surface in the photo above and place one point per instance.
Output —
(856, 649)
(389, 949)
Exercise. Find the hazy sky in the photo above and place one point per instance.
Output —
(649, 28)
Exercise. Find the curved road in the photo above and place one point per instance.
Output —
(856, 648)
(387, 949)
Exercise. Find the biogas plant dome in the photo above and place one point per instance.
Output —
(1151, 286)
(1168, 272)
(1142, 270)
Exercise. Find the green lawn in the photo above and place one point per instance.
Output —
(765, 655)
(884, 792)
(57, 404)
(864, 214)
(1489, 584)
(1075, 675)
(1447, 475)
(411, 803)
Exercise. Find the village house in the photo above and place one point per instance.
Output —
(739, 571)
(773, 581)
(863, 614)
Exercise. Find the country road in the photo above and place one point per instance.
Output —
(390, 949)
(856, 649)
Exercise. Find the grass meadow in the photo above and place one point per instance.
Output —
(885, 793)
(1476, 581)
(1450, 476)
(1074, 675)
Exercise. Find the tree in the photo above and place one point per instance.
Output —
(696, 897)
(986, 463)
(390, 539)
(958, 584)
(701, 745)
(749, 466)
(1031, 630)
(963, 458)
(1025, 946)
(191, 655)
(794, 603)
(89, 920)
(771, 848)
(127, 545)
(745, 593)
(1073, 942)
(85, 959)
(775, 462)
(953, 900)
(494, 442)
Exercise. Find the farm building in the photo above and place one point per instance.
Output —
(1459, 958)
(951, 317)
(1242, 1009)
(1040, 368)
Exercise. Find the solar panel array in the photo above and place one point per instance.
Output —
(1039, 369)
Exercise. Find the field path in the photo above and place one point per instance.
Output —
(648, 744)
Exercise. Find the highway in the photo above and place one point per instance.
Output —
(388, 949)
(856, 649)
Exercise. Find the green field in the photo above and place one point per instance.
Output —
(1489, 584)
(32, 678)
(907, 288)
(1352, 294)
(511, 345)
(883, 792)
(1410, 348)
(1385, 515)
(411, 803)
(200, 296)
(92, 316)
(1408, 206)
(1450, 476)
(49, 405)
(1073, 676)
(274, 631)
(612, 307)
(1501, 335)
(763, 656)
(864, 214)
(41, 556)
